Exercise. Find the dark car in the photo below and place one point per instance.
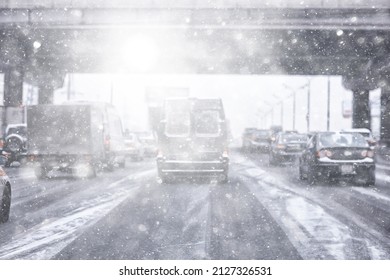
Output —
(287, 146)
(259, 140)
(331, 155)
(247, 138)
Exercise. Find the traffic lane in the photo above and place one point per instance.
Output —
(372, 203)
(40, 225)
(365, 210)
(164, 221)
(186, 220)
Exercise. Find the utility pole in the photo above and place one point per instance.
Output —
(328, 107)
(308, 107)
(294, 108)
(69, 87)
(112, 91)
(281, 112)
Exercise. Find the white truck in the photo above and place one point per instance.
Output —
(77, 138)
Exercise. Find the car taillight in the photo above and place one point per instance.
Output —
(107, 142)
(324, 153)
(1, 143)
(225, 153)
(2, 172)
(368, 153)
(280, 146)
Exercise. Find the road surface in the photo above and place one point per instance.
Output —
(262, 213)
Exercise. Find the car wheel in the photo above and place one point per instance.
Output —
(14, 145)
(166, 179)
(41, 172)
(312, 176)
(301, 175)
(370, 182)
(5, 204)
(272, 160)
(223, 178)
(122, 164)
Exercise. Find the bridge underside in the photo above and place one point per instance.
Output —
(43, 54)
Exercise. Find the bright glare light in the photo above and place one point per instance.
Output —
(139, 53)
(37, 45)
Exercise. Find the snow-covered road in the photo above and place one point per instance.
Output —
(262, 213)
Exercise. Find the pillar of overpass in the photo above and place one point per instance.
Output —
(13, 88)
(48, 82)
(360, 85)
(46, 92)
(361, 116)
(385, 113)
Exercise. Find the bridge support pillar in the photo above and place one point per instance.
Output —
(46, 94)
(385, 114)
(47, 83)
(13, 88)
(361, 117)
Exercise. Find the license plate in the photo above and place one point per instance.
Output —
(346, 169)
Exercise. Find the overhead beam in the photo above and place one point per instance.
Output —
(205, 18)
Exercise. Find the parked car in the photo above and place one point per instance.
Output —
(133, 146)
(15, 139)
(5, 194)
(337, 154)
(366, 134)
(288, 146)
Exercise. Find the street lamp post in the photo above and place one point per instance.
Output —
(281, 112)
(308, 107)
(294, 92)
(294, 108)
(328, 107)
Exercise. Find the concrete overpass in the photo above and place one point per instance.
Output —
(43, 40)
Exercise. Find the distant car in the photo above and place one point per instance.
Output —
(287, 146)
(366, 134)
(337, 154)
(15, 142)
(149, 143)
(5, 196)
(275, 129)
(260, 140)
(133, 147)
(247, 138)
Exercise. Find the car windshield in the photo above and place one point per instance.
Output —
(342, 140)
(293, 138)
(262, 133)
